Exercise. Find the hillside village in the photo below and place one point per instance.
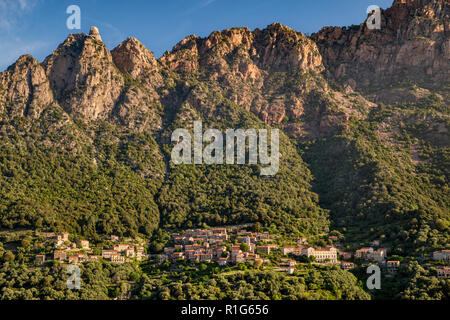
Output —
(80, 251)
(227, 246)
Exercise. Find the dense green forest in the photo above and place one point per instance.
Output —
(231, 194)
(376, 189)
(53, 176)
(108, 281)
(60, 175)
(103, 280)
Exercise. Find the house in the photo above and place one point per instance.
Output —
(287, 250)
(442, 255)
(189, 254)
(249, 256)
(218, 251)
(328, 254)
(220, 232)
(106, 254)
(302, 240)
(377, 255)
(266, 249)
(178, 239)
(205, 257)
(94, 257)
(83, 257)
(114, 238)
(62, 237)
(290, 270)
(363, 253)
(245, 240)
(40, 259)
(347, 265)
(235, 254)
(139, 249)
(84, 244)
(130, 253)
(443, 272)
(392, 265)
(177, 256)
(345, 255)
(288, 262)
(141, 256)
(239, 258)
(121, 247)
(117, 258)
(59, 255)
(222, 261)
(73, 259)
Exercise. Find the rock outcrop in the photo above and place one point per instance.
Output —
(83, 76)
(133, 58)
(279, 74)
(274, 73)
(412, 48)
(24, 88)
(94, 33)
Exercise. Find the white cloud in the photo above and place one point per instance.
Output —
(199, 6)
(207, 3)
(11, 11)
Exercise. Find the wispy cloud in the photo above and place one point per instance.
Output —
(198, 6)
(207, 3)
(11, 11)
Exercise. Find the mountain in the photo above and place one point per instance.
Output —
(86, 134)
(407, 59)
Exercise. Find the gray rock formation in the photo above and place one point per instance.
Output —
(95, 34)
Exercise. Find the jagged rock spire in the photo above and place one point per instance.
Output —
(95, 34)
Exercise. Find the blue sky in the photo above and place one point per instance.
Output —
(37, 26)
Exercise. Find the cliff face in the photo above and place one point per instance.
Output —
(24, 89)
(274, 73)
(276, 48)
(412, 47)
(83, 77)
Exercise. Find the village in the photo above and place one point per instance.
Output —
(229, 246)
(80, 251)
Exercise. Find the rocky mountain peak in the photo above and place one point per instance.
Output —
(282, 48)
(94, 33)
(276, 48)
(83, 76)
(133, 58)
(24, 88)
(413, 46)
(410, 3)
